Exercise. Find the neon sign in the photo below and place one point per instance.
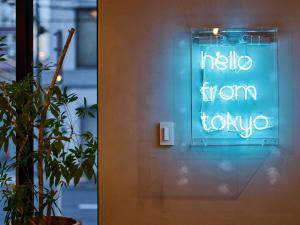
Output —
(234, 87)
(239, 124)
(227, 92)
(222, 62)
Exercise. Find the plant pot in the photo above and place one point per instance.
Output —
(54, 220)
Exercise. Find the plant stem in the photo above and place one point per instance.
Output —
(49, 207)
(19, 154)
(44, 117)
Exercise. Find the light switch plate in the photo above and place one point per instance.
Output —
(166, 133)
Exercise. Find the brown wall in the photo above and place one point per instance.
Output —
(143, 79)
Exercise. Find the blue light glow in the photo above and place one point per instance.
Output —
(222, 62)
(234, 90)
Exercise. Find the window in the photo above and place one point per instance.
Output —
(8, 29)
(88, 124)
(87, 38)
(8, 68)
(53, 18)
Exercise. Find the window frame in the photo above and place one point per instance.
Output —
(24, 66)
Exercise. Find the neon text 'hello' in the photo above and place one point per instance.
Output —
(224, 62)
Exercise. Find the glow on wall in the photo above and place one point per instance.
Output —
(234, 87)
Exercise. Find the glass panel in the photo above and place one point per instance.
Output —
(230, 104)
(8, 67)
(8, 29)
(52, 20)
(86, 51)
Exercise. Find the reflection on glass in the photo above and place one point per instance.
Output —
(53, 18)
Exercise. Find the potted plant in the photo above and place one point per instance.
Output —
(29, 111)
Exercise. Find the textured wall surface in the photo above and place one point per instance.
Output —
(144, 78)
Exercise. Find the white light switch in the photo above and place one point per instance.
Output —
(166, 133)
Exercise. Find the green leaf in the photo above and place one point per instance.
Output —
(6, 145)
(91, 114)
(2, 38)
(54, 110)
(78, 175)
(85, 102)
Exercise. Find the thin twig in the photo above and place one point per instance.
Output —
(44, 117)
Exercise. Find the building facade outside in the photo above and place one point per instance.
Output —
(8, 29)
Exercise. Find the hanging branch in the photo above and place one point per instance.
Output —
(44, 117)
